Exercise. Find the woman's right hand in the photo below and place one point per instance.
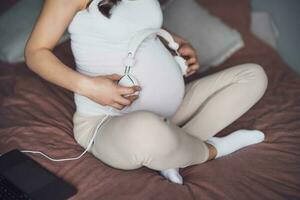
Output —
(105, 91)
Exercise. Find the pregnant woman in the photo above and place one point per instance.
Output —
(170, 125)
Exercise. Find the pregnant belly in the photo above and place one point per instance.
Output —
(160, 79)
(158, 75)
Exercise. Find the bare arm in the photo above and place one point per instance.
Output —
(52, 23)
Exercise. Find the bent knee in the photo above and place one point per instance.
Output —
(258, 77)
(260, 74)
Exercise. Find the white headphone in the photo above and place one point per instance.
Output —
(128, 79)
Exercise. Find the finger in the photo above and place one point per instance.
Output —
(117, 106)
(128, 90)
(192, 60)
(138, 88)
(186, 51)
(188, 74)
(191, 72)
(114, 77)
(194, 67)
(188, 70)
(132, 98)
(122, 100)
(191, 69)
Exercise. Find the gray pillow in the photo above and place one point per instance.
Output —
(15, 27)
(263, 26)
(165, 3)
(213, 40)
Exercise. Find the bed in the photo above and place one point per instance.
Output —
(35, 114)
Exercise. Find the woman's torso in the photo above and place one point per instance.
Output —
(99, 45)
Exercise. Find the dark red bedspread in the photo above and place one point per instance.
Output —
(35, 114)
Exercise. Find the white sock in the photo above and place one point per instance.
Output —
(172, 175)
(235, 141)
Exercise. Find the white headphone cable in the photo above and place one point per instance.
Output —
(99, 125)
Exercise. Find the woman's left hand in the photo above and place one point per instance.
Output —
(187, 51)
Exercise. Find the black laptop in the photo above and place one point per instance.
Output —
(21, 177)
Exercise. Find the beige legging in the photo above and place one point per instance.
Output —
(143, 138)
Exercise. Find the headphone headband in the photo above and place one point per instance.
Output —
(142, 35)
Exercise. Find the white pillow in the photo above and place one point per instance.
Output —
(213, 40)
(15, 27)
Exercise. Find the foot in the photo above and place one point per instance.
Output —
(235, 141)
(172, 175)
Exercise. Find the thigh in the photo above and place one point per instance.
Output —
(200, 90)
(127, 141)
(143, 138)
(138, 139)
(84, 126)
(109, 144)
(196, 92)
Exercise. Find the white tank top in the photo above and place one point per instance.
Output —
(99, 45)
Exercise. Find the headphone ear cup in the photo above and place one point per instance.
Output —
(174, 46)
(182, 64)
(128, 81)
